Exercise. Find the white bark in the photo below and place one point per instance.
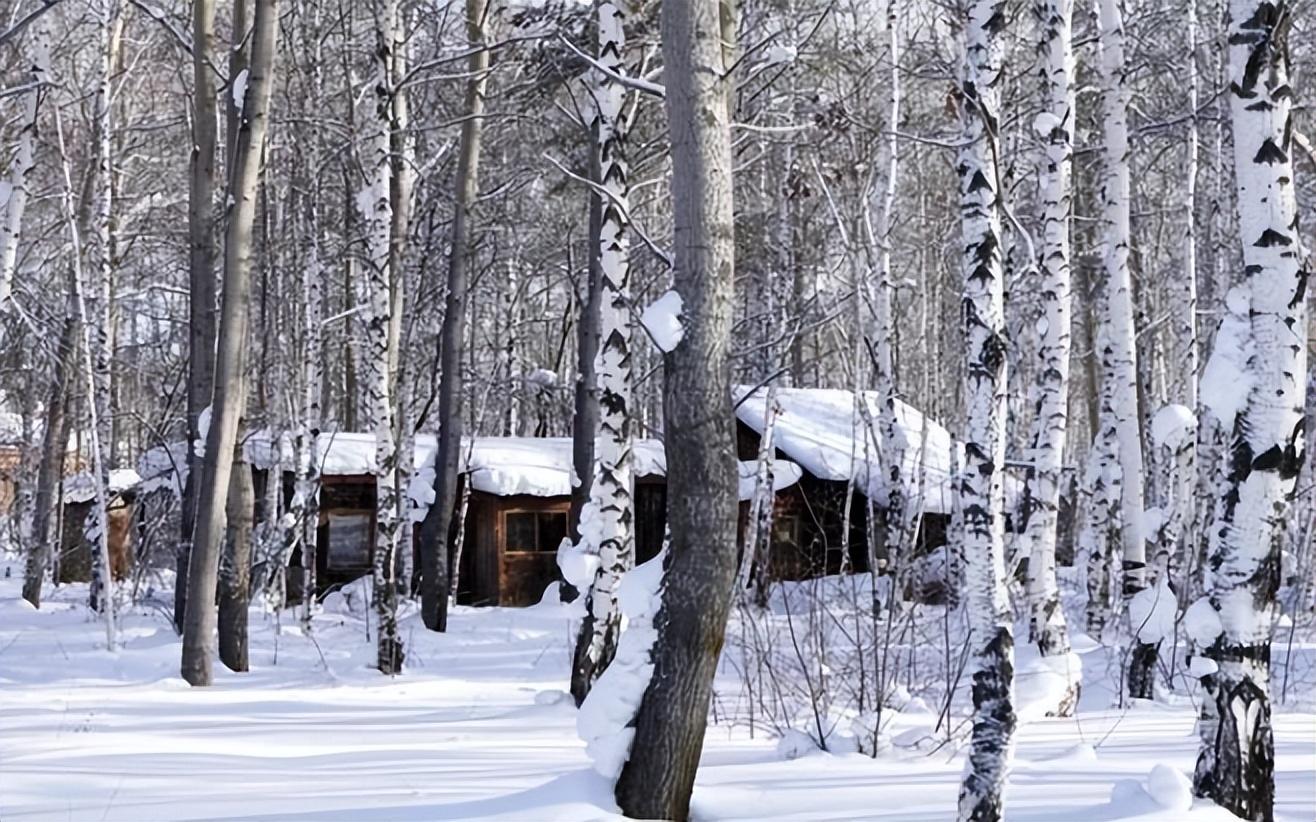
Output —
(1236, 764)
(607, 522)
(25, 157)
(1056, 127)
(981, 489)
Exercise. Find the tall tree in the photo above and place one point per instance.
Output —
(982, 495)
(1269, 309)
(235, 565)
(607, 523)
(201, 277)
(230, 360)
(438, 520)
(376, 204)
(1120, 383)
(1055, 125)
(657, 780)
(25, 156)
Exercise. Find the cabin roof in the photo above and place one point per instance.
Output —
(815, 428)
(82, 488)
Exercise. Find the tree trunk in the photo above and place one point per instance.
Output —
(702, 479)
(607, 523)
(377, 214)
(1236, 764)
(438, 520)
(1051, 421)
(201, 277)
(235, 565)
(981, 487)
(230, 382)
(54, 442)
(24, 158)
(1121, 379)
(586, 419)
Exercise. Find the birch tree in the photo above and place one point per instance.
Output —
(25, 157)
(657, 780)
(1055, 125)
(1236, 765)
(606, 523)
(375, 203)
(235, 565)
(230, 383)
(981, 497)
(1120, 383)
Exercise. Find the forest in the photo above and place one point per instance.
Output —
(691, 409)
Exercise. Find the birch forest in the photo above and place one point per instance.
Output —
(688, 409)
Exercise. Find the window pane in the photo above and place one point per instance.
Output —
(552, 530)
(520, 528)
(349, 541)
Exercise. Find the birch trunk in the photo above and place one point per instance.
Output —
(201, 277)
(1236, 762)
(230, 383)
(438, 520)
(24, 159)
(375, 202)
(1120, 387)
(657, 780)
(608, 519)
(400, 192)
(981, 490)
(1051, 421)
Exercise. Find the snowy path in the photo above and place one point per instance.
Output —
(472, 732)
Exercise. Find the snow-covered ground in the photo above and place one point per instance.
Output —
(479, 728)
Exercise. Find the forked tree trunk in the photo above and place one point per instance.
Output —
(201, 277)
(235, 565)
(607, 524)
(230, 383)
(438, 520)
(1236, 764)
(981, 488)
(657, 780)
(1051, 422)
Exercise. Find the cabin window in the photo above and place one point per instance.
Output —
(786, 530)
(534, 531)
(348, 541)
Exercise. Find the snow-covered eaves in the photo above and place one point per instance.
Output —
(82, 487)
(816, 428)
(502, 466)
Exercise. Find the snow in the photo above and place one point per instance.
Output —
(477, 728)
(1044, 123)
(1227, 381)
(82, 487)
(1152, 612)
(1041, 682)
(578, 564)
(1173, 427)
(240, 89)
(1170, 788)
(816, 429)
(662, 319)
(1202, 623)
(605, 719)
(781, 54)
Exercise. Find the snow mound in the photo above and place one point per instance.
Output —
(1152, 611)
(1173, 426)
(577, 563)
(1202, 623)
(662, 319)
(1169, 788)
(552, 697)
(1200, 666)
(82, 487)
(605, 718)
(794, 744)
(1043, 682)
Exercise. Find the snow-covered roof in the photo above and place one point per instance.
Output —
(816, 428)
(82, 488)
(503, 466)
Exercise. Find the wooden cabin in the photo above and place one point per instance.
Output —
(814, 428)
